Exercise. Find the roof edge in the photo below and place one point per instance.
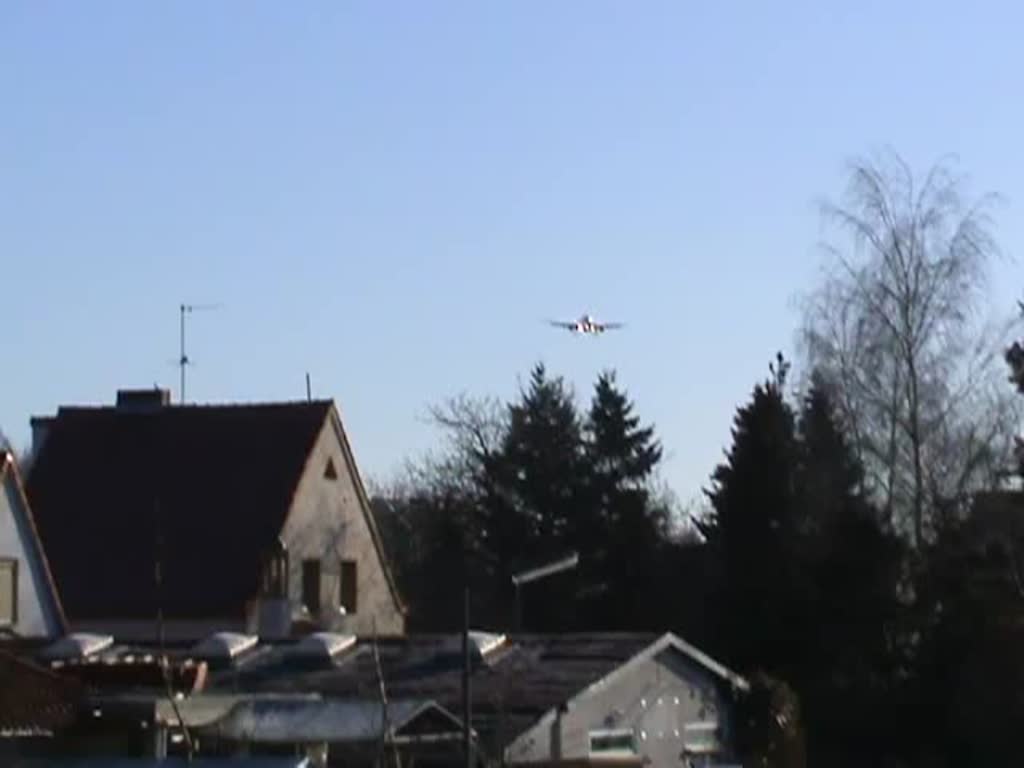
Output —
(8, 464)
(364, 503)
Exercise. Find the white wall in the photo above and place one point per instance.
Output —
(36, 612)
(327, 521)
(655, 698)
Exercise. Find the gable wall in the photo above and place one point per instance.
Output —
(655, 698)
(327, 522)
(36, 610)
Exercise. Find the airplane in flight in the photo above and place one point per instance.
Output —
(585, 324)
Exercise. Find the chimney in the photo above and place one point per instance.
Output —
(40, 431)
(142, 400)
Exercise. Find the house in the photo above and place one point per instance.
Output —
(184, 520)
(559, 700)
(141, 700)
(535, 700)
(29, 603)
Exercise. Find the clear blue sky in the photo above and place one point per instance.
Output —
(393, 196)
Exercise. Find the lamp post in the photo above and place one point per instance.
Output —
(536, 574)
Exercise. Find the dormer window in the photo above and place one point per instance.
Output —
(275, 572)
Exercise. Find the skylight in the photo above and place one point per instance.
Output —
(485, 642)
(78, 645)
(322, 645)
(225, 645)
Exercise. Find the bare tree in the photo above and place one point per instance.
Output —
(474, 429)
(896, 329)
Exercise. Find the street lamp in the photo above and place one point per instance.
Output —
(536, 574)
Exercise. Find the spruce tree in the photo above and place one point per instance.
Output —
(750, 532)
(849, 568)
(626, 524)
(542, 476)
(621, 451)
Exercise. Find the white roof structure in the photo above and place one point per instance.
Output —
(322, 645)
(224, 645)
(331, 720)
(77, 645)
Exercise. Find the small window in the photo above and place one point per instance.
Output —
(8, 592)
(348, 589)
(329, 471)
(311, 585)
(612, 743)
(701, 738)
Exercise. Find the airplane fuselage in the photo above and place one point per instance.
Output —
(587, 324)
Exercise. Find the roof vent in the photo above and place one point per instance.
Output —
(480, 643)
(224, 645)
(142, 400)
(322, 645)
(77, 645)
(485, 642)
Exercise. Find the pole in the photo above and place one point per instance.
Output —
(182, 360)
(309, 389)
(467, 711)
(519, 609)
(165, 671)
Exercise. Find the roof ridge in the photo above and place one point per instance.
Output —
(322, 402)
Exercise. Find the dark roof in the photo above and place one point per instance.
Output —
(216, 481)
(9, 470)
(33, 701)
(512, 687)
(309, 721)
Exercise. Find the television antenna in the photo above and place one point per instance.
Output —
(183, 359)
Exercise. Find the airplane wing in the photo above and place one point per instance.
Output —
(610, 326)
(562, 324)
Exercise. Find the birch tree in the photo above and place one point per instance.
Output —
(898, 332)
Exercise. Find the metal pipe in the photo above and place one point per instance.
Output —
(182, 360)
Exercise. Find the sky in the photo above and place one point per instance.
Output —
(395, 196)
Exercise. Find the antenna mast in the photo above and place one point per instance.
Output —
(183, 360)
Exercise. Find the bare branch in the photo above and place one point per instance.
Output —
(897, 331)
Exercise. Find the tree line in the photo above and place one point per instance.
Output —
(859, 555)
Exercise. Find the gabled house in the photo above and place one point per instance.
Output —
(188, 520)
(608, 699)
(29, 603)
(604, 699)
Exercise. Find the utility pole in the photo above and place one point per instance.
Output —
(387, 737)
(183, 360)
